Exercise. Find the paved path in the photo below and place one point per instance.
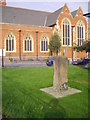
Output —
(25, 64)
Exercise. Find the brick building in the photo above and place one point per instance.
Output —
(26, 33)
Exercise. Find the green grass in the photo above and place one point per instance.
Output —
(22, 97)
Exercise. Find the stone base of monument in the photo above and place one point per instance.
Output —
(62, 93)
(0, 117)
(60, 79)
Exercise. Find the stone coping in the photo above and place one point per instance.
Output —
(62, 93)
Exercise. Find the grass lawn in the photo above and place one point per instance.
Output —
(22, 97)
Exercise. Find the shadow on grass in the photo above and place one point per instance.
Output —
(55, 110)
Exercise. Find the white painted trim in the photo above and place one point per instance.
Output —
(32, 44)
(66, 45)
(62, 32)
(83, 30)
(40, 43)
(14, 43)
(26, 25)
(44, 51)
(28, 52)
(57, 27)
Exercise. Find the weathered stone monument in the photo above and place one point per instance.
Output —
(60, 79)
(60, 74)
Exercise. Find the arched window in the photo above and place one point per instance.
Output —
(66, 31)
(80, 33)
(28, 44)
(44, 44)
(10, 42)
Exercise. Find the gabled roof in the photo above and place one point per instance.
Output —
(15, 15)
(23, 16)
(29, 17)
(51, 18)
(74, 13)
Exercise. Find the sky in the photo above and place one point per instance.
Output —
(49, 5)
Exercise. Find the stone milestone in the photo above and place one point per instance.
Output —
(60, 74)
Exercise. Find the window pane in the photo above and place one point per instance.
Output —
(80, 35)
(6, 45)
(80, 32)
(66, 41)
(46, 46)
(30, 45)
(78, 42)
(12, 45)
(68, 31)
(63, 41)
(63, 30)
(25, 45)
(9, 45)
(77, 32)
(10, 42)
(41, 45)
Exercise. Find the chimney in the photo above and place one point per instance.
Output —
(2, 2)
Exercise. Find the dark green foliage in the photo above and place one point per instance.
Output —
(85, 46)
(54, 43)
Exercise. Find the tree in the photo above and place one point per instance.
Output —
(55, 43)
(85, 46)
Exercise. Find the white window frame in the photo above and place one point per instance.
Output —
(45, 46)
(28, 35)
(81, 22)
(62, 31)
(10, 33)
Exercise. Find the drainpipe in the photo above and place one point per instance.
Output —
(19, 45)
(36, 45)
(2, 59)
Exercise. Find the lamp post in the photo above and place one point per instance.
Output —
(72, 42)
(20, 45)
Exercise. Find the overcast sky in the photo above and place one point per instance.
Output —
(47, 5)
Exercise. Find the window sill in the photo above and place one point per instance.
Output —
(10, 51)
(44, 51)
(28, 51)
(66, 45)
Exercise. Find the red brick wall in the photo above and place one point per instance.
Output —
(66, 13)
(6, 28)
